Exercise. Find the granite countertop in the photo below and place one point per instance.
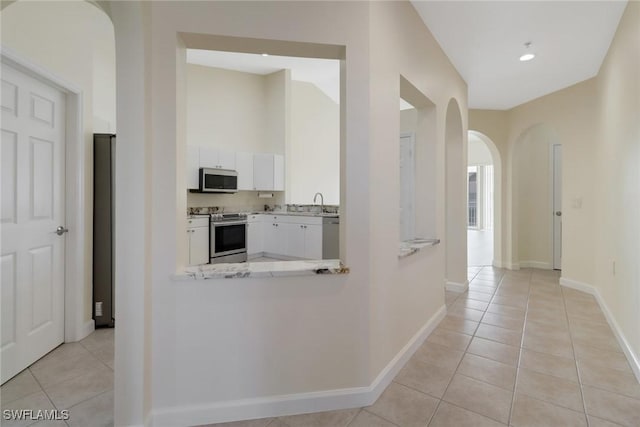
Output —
(411, 247)
(323, 214)
(312, 214)
(262, 269)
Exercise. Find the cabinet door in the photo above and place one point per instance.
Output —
(208, 157)
(278, 172)
(263, 171)
(227, 159)
(193, 166)
(244, 166)
(255, 239)
(313, 242)
(295, 240)
(199, 245)
(274, 237)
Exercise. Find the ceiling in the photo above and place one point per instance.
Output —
(484, 39)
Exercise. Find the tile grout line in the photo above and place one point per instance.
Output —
(45, 393)
(524, 327)
(458, 366)
(575, 360)
(380, 416)
(435, 411)
(353, 417)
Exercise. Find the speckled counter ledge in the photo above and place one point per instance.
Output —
(411, 247)
(262, 269)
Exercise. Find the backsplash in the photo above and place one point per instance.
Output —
(313, 208)
(200, 210)
(242, 201)
(225, 209)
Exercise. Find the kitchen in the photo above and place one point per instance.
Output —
(263, 132)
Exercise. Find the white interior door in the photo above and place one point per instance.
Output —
(557, 206)
(407, 187)
(32, 258)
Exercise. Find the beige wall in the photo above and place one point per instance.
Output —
(615, 225)
(234, 110)
(400, 45)
(596, 121)
(240, 111)
(568, 117)
(74, 41)
(314, 157)
(215, 342)
(478, 153)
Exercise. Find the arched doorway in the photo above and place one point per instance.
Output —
(68, 46)
(484, 218)
(455, 200)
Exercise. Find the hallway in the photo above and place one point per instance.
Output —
(479, 247)
(516, 349)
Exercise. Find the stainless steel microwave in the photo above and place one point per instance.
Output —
(218, 180)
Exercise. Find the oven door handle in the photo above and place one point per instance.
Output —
(222, 224)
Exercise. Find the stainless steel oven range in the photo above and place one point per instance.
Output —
(228, 238)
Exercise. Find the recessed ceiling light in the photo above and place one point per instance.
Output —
(265, 54)
(528, 55)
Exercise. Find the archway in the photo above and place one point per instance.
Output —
(455, 200)
(71, 46)
(492, 218)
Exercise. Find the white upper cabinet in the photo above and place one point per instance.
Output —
(217, 159)
(227, 159)
(256, 172)
(268, 172)
(208, 157)
(193, 166)
(263, 171)
(244, 166)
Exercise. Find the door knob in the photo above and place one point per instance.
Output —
(558, 213)
(61, 230)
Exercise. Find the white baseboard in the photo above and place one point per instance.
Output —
(536, 264)
(88, 327)
(510, 265)
(579, 286)
(301, 403)
(632, 358)
(457, 287)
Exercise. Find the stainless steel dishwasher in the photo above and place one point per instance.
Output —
(330, 237)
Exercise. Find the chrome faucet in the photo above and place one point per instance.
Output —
(321, 201)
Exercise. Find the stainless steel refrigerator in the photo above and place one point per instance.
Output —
(103, 228)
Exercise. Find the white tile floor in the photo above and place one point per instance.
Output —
(479, 247)
(516, 350)
(77, 377)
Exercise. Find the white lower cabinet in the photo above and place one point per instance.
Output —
(304, 240)
(290, 236)
(275, 239)
(255, 235)
(313, 241)
(198, 237)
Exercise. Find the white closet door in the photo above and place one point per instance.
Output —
(32, 259)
